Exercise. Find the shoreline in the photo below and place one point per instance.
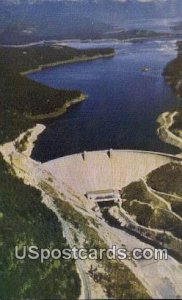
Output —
(103, 39)
(64, 62)
(59, 111)
(165, 121)
(59, 42)
(172, 72)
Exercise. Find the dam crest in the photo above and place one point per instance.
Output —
(107, 169)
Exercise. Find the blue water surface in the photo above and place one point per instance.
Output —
(123, 100)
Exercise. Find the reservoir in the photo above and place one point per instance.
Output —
(126, 94)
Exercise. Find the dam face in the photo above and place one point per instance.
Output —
(103, 170)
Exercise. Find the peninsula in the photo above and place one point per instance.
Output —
(27, 98)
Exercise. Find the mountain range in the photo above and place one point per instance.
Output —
(31, 20)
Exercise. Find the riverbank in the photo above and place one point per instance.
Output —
(69, 61)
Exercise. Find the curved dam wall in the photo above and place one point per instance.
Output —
(102, 170)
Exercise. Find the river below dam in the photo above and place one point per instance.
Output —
(126, 94)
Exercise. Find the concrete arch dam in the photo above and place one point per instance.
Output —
(103, 170)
